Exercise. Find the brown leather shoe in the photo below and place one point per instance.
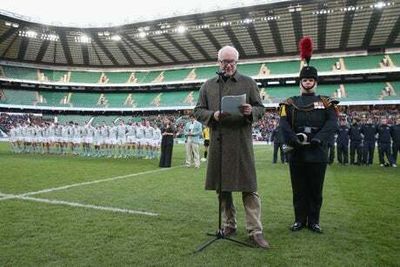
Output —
(259, 241)
(229, 231)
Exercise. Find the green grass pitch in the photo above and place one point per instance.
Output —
(360, 215)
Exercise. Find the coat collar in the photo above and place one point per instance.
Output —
(235, 78)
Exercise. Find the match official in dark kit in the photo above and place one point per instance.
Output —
(308, 122)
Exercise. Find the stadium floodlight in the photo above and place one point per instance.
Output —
(116, 38)
(142, 34)
(248, 21)
(31, 34)
(49, 36)
(83, 39)
(181, 29)
(273, 82)
(290, 82)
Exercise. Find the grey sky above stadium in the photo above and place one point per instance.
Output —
(113, 13)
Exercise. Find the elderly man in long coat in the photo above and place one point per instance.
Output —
(238, 168)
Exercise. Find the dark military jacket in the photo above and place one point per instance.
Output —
(314, 115)
(369, 131)
(384, 134)
(276, 136)
(395, 133)
(343, 135)
(355, 133)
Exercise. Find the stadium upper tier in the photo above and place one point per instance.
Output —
(257, 70)
(352, 93)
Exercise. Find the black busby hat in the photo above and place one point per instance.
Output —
(306, 48)
(309, 72)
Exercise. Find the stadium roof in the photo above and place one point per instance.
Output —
(260, 31)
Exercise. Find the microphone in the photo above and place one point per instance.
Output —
(220, 73)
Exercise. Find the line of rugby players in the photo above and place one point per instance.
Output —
(119, 140)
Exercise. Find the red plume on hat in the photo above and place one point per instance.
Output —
(306, 48)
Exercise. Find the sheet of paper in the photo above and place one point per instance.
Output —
(231, 104)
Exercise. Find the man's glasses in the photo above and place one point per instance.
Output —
(228, 62)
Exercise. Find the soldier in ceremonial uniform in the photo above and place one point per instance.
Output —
(307, 123)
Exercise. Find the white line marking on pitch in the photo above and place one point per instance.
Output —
(75, 204)
(94, 182)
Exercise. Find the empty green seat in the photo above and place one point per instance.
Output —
(249, 69)
(395, 59)
(84, 99)
(116, 100)
(53, 99)
(363, 62)
(54, 75)
(284, 67)
(18, 97)
(205, 72)
(363, 91)
(176, 75)
(85, 77)
(20, 73)
(118, 77)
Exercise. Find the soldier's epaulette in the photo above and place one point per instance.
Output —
(287, 102)
(328, 101)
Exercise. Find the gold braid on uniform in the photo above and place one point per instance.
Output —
(330, 102)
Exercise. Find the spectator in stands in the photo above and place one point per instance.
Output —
(238, 167)
(384, 140)
(167, 143)
(192, 133)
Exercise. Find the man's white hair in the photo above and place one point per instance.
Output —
(228, 47)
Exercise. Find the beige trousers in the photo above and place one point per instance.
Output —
(252, 207)
(192, 153)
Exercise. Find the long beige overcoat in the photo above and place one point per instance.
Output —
(238, 168)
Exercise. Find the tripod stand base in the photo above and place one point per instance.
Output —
(220, 235)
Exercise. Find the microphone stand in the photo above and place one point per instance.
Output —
(219, 234)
